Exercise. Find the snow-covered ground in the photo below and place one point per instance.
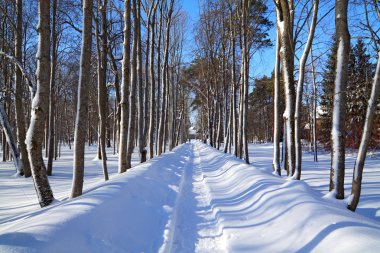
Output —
(194, 199)
(317, 175)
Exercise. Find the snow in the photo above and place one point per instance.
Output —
(317, 175)
(193, 199)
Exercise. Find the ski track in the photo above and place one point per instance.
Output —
(191, 227)
(183, 219)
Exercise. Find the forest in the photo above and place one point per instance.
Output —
(99, 95)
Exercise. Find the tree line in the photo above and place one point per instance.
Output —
(336, 103)
(128, 92)
(133, 88)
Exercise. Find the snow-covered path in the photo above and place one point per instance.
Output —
(225, 205)
(193, 199)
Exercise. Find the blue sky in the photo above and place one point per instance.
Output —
(261, 64)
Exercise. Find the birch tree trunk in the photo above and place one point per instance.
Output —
(10, 139)
(82, 104)
(124, 113)
(246, 80)
(116, 123)
(219, 127)
(160, 30)
(147, 105)
(52, 90)
(140, 108)
(161, 129)
(276, 97)
(102, 89)
(19, 109)
(301, 78)
(226, 116)
(339, 113)
(132, 95)
(152, 82)
(35, 134)
(315, 148)
(233, 125)
(367, 131)
(284, 11)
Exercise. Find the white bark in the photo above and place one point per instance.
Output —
(276, 97)
(161, 128)
(339, 113)
(152, 82)
(51, 133)
(82, 104)
(246, 79)
(102, 89)
(140, 98)
(285, 15)
(132, 94)
(315, 148)
(10, 139)
(35, 134)
(301, 77)
(124, 113)
(19, 109)
(367, 131)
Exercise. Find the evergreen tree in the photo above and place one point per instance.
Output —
(328, 93)
(260, 112)
(358, 92)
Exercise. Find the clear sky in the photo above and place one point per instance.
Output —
(192, 10)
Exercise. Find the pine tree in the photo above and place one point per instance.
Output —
(358, 92)
(327, 93)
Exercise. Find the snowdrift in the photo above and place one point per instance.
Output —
(194, 199)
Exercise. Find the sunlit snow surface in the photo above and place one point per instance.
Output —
(194, 199)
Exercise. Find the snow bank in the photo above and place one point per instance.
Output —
(194, 199)
(126, 214)
(250, 210)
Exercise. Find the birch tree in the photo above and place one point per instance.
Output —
(315, 148)
(19, 110)
(82, 105)
(339, 104)
(152, 79)
(124, 113)
(285, 19)
(246, 57)
(35, 132)
(10, 138)
(354, 198)
(301, 78)
(140, 119)
(54, 52)
(276, 97)
(134, 80)
(102, 87)
(162, 119)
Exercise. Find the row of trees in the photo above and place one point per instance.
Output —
(144, 100)
(129, 90)
(341, 75)
(228, 35)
